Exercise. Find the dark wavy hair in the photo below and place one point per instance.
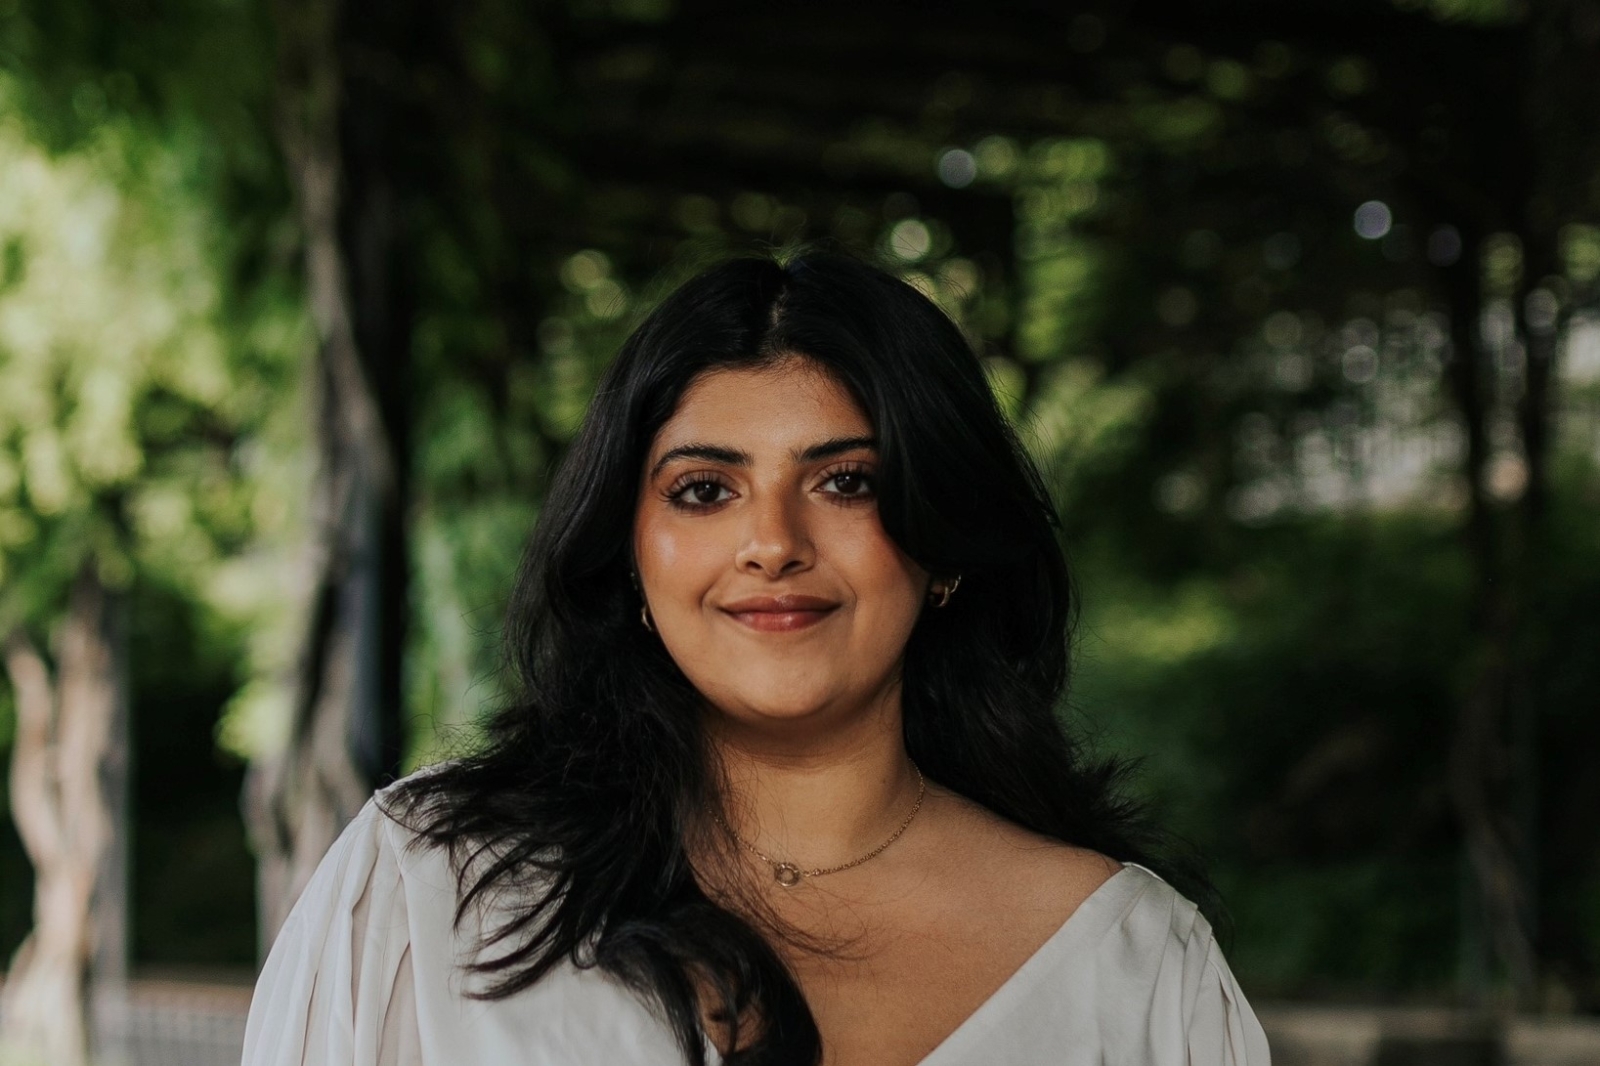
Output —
(594, 777)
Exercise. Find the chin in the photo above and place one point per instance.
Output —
(778, 701)
(785, 711)
(785, 705)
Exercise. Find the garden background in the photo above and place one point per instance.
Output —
(1298, 305)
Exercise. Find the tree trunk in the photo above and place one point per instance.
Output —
(1494, 763)
(1481, 763)
(345, 728)
(68, 773)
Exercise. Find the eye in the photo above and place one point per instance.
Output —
(704, 492)
(852, 483)
(696, 493)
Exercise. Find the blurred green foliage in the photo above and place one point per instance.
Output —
(1146, 229)
(150, 336)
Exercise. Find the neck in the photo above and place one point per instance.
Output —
(819, 803)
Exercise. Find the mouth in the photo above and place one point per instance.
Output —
(778, 614)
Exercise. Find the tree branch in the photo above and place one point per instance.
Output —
(33, 784)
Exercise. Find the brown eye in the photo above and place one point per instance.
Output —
(851, 484)
(705, 492)
(698, 493)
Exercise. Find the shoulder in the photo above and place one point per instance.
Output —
(375, 862)
(1143, 928)
(386, 834)
(372, 933)
(1165, 990)
(1154, 913)
(1027, 871)
(378, 867)
(339, 956)
(397, 818)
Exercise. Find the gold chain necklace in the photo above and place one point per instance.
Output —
(788, 874)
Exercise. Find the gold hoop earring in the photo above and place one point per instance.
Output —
(644, 616)
(946, 589)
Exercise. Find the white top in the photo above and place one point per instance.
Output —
(366, 973)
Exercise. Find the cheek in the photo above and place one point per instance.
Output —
(887, 581)
(673, 553)
(655, 547)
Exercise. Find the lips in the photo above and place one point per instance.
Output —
(780, 613)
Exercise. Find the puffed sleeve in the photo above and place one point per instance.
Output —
(1223, 1030)
(337, 988)
(1166, 995)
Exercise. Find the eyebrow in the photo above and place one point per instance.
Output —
(717, 453)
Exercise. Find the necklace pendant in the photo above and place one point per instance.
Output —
(786, 874)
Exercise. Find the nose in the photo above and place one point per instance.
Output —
(776, 541)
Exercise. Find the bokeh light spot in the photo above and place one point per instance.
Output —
(997, 157)
(1540, 310)
(1373, 219)
(957, 167)
(584, 270)
(1360, 364)
(1179, 492)
(1228, 79)
(910, 240)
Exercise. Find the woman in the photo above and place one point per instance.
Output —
(785, 782)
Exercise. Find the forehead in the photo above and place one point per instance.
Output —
(779, 403)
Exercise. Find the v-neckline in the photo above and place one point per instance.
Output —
(998, 1000)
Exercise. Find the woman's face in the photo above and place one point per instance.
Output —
(759, 550)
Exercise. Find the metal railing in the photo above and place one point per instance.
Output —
(191, 1023)
(173, 1023)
